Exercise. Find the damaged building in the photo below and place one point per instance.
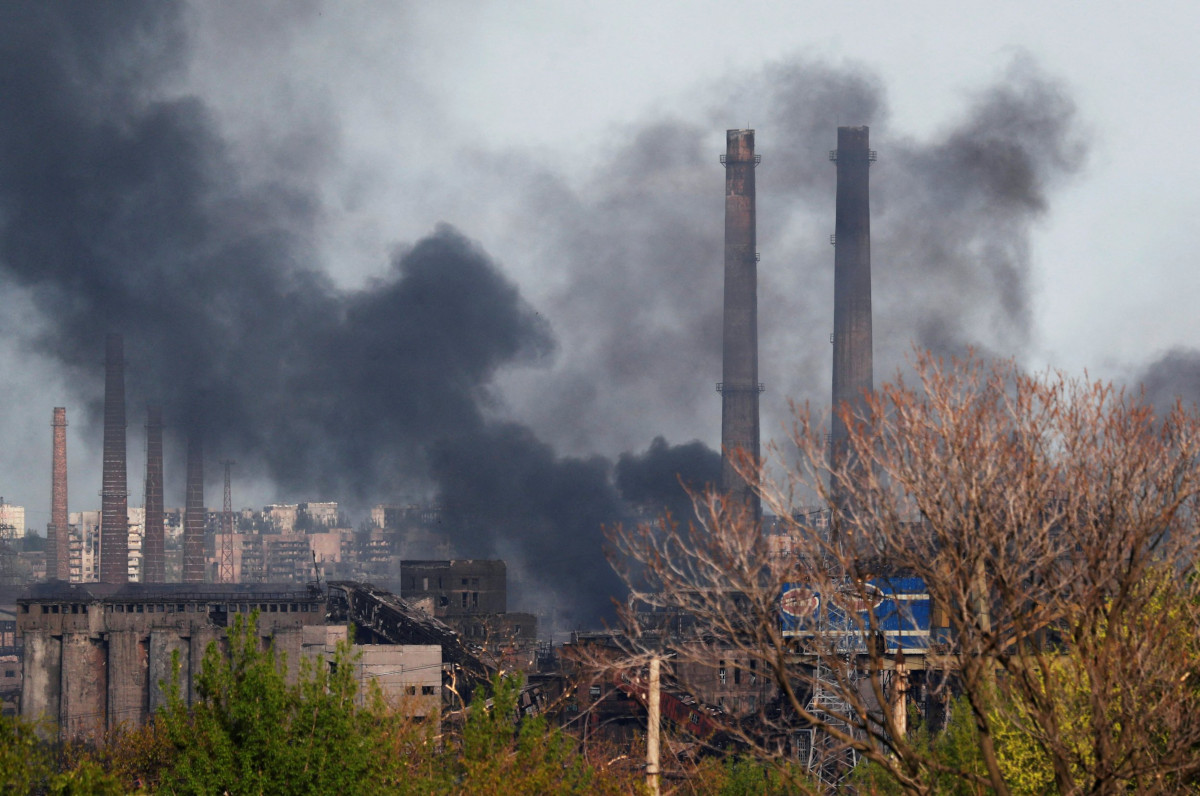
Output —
(95, 655)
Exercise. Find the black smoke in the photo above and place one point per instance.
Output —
(509, 493)
(1174, 376)
(952, 219)
(662, 480)
(135, 220)
(123, 207)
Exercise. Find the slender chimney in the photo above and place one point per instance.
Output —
(114, 505)
(852, 346)
(739, 386)
(58, 532)
(154, 564)
(193, 513)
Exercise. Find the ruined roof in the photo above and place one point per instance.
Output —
(62, 591)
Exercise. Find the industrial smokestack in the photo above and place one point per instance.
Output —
(852, 347)
(58, 532)
(193, 513)
(739, 386)
(154, 562)
(114, 505)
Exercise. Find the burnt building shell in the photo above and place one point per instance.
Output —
(456, 587)
(94, 654)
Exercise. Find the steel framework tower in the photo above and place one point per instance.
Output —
(227, 526)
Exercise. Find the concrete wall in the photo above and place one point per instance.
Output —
(41, 694)
(128, 678)
(458, 587)
(91, 666)
(164, 645)
(409, 675)
(84, 686)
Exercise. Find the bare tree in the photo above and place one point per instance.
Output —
(1029, 540)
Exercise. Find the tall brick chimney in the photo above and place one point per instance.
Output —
(114, 504)
(58, 532)
(193, 513)
(154, 564)
(739, 385)
(852, 343)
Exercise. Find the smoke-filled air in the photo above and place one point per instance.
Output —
(540, 395)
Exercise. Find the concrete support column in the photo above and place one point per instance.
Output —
(84, 713)
(128, 667)
(41, 694)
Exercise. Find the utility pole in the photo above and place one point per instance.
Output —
(652, 728)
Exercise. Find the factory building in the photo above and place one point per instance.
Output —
(95, 653)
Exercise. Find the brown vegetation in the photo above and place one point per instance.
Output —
(1053, 524)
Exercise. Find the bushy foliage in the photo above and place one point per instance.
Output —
(27, 765)
(254, 729)
(499, 753)
(746, 776)
(1052, 524)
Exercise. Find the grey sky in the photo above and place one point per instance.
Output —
(496, 116)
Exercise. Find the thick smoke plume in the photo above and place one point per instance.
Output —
(1173, 376)
(123, 208)
(661, 479)
(134, 220)
(951, 225)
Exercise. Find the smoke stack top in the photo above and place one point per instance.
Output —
(114, 511)
(739, 383)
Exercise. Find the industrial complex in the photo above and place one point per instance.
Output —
(125, 601)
